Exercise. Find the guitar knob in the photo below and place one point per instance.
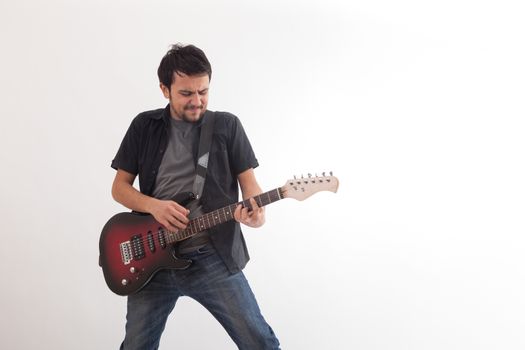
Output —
(132, 269)
(124, 282)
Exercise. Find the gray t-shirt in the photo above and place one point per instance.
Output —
(177, 173)
(177, 168)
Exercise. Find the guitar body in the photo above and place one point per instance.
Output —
(133, 248)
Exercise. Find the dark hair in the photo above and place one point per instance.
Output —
(187, 59)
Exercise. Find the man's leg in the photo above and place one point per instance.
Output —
(148, 311)
(231, 301)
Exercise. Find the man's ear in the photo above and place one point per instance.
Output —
(165, 90)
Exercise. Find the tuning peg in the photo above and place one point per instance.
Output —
(324, 174)
(331, 174)
(309, 175)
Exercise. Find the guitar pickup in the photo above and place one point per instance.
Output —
(151, 242)
(137, 247)
(125, 252)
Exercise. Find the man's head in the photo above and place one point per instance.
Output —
(184, 75)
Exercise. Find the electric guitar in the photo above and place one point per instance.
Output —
(133, 247)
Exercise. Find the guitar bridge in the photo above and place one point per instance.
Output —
(125, 252)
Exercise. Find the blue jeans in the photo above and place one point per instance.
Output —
(228, 297)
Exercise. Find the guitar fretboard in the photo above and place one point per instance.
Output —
(220, 216)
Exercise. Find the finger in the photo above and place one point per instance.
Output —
(180, 216)
(245, 214)
(169, 226)
(254, 204)
(174, 220)
(180, 208)
(237, 213)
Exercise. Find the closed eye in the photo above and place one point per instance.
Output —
(187, 93)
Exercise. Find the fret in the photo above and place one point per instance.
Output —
(269, 198)
(216, 219)
(227, 212)
(171, 237)
(209, 222)
(203, 222)
(269, 195)
(276, 194)
(260, 201)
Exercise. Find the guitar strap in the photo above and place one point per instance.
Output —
(203, 154)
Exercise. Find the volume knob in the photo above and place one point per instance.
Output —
(124, 282)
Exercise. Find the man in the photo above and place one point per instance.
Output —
(161, 147)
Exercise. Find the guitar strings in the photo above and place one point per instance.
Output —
(192, 228)
(195, 227)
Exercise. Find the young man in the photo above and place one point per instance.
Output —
(161, 147)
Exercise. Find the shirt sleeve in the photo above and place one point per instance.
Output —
(128, 153)
(241, 154)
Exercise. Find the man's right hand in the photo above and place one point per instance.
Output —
(170, 214)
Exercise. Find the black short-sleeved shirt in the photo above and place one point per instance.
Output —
(141, 152)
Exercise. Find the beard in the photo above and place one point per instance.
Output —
(188, 114)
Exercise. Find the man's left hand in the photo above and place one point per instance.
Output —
(253, 217)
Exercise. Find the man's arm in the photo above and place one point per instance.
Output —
(168, 213)
(249, 188)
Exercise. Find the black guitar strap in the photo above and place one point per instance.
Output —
(203, 154)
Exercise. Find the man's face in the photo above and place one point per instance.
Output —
(188, 96)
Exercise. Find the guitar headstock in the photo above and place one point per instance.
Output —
(304, 187)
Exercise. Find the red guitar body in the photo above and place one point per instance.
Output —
(133, 247)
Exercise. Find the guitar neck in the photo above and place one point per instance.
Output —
(221, 215)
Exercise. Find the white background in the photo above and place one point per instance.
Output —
(416, 106)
